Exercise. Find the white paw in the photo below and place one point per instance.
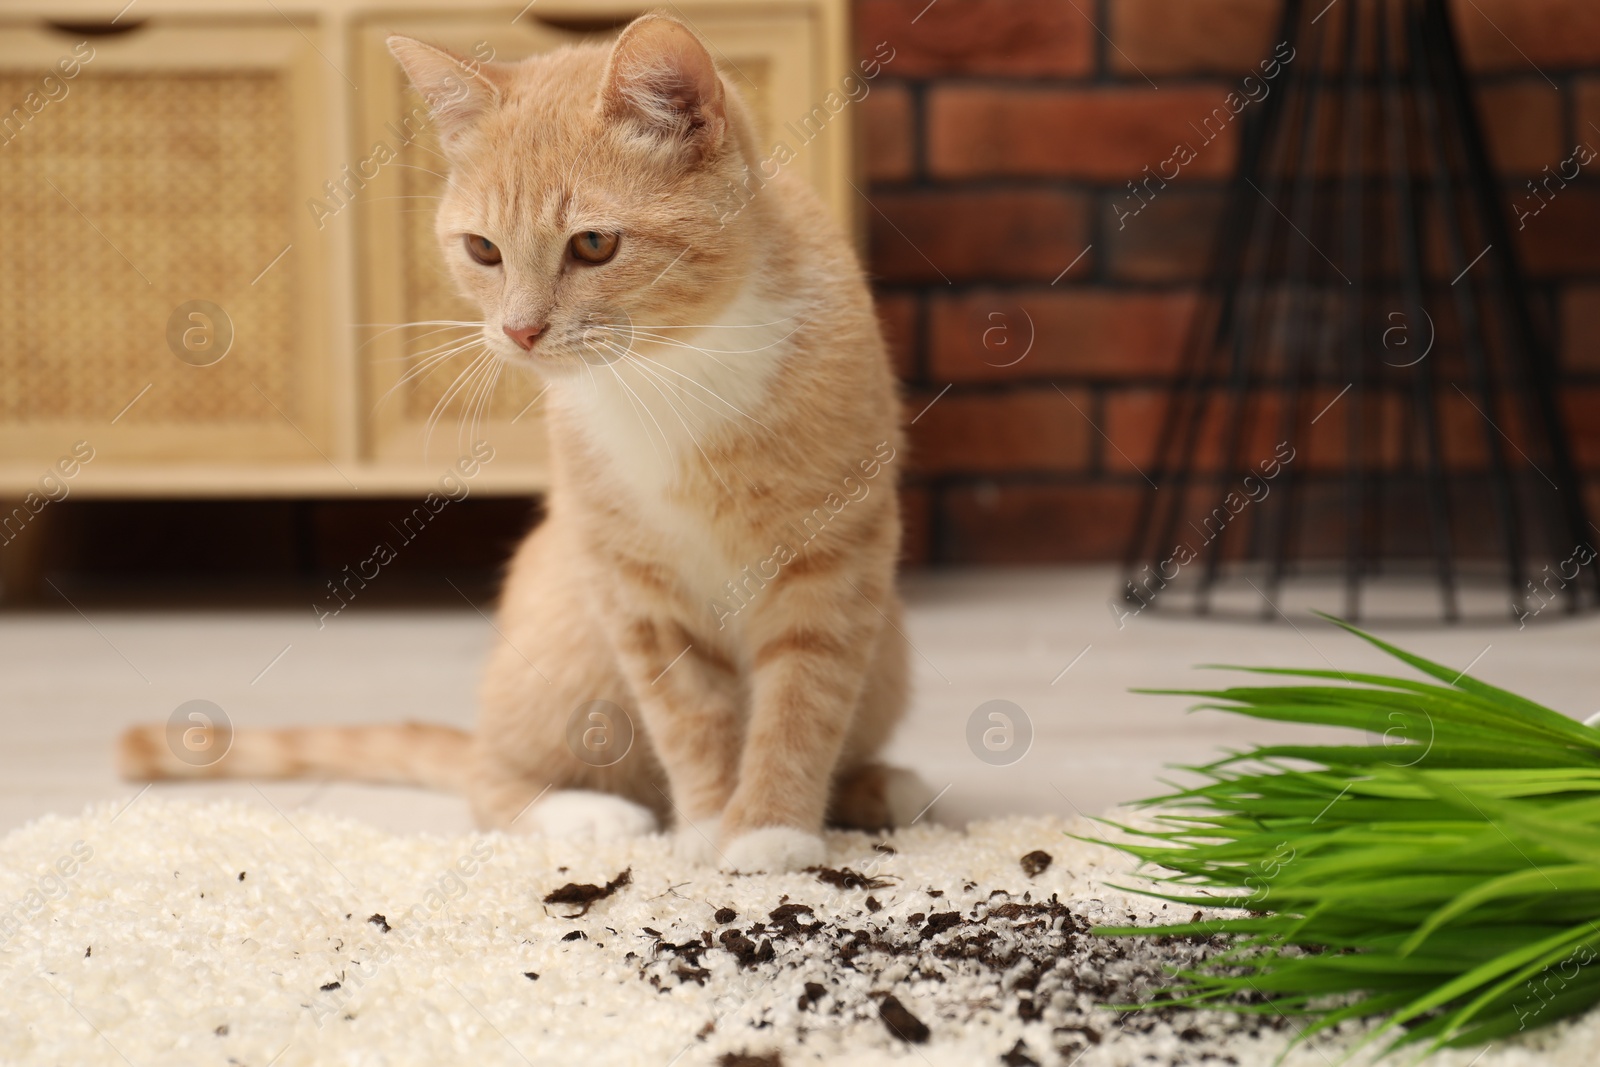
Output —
(907, 796)
(582, 815)
(774, 849)
(696, 844)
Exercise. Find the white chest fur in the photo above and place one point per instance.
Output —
(654, 414)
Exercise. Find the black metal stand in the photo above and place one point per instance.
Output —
(1365, 395)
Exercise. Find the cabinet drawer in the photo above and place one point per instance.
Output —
(163, 172)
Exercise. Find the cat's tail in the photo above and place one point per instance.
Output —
(434, 757)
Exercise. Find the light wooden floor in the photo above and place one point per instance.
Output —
(72, 681)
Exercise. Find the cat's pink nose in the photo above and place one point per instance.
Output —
(524, 336)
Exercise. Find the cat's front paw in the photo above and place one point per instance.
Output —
(695, 844)
(774, 850)
(582, 815)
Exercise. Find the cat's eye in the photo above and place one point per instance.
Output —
(591, 246)
(481, 249)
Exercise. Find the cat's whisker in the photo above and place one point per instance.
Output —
(419, 322)
(672, 341)
(469, 407)
(409, 357)
(640, 403)
(650, 378)
(594, 383)
(430, 350)
(428, 359)
(637, 335)
(431, 152)
(487, 415)
(424, 369)
(445, 348)
(700, 385)
(393, 326)
(628, 357)
(480, 409)
(413, 196)
(616, 368)
(697, 326)
(456, 386)
(649, 333)
(677, 389)
(687, 377)
(666, 441)
(468, 402)
(425, 170)
(415, 376)
(469, 412)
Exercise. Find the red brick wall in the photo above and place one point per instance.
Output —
(998, 139)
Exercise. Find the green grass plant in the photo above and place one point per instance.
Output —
(1442, 878)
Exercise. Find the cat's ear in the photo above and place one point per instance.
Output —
(661, 79)
(459, 91)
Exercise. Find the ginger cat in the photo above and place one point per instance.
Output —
(718, 558)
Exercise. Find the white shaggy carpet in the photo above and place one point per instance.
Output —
(235, 933)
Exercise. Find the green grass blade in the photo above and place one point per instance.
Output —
(1432, 883)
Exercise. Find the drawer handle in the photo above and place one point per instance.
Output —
(582, 25)
(95, 29)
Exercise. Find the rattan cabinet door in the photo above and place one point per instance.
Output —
(417, 408)
(419, 412)
(154, 300)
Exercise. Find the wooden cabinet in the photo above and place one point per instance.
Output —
(163, 171)
(201, 263)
